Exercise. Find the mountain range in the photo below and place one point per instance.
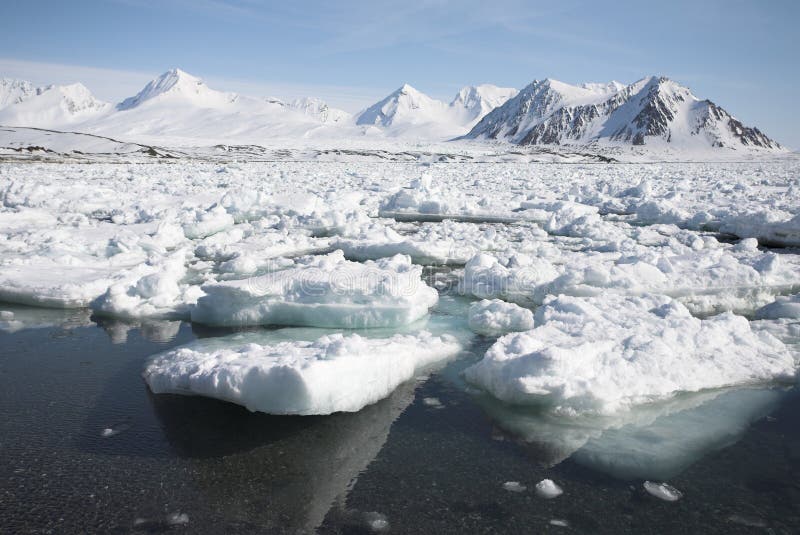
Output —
(179, 108)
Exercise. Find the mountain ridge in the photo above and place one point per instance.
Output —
(653, 111)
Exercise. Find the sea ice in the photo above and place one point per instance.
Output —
(495, 318)
(334, 373)
(548, 490)
(161, 293)
(770, 227)
(782, 307)
(662, 491)
(322, 291)
(514, 486)
(604, 354)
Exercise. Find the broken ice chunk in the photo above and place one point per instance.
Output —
(514, 486)
(548, 490)
(495, 318)
(662, 491)
(782, 307)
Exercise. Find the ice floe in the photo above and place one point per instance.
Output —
(782, 307)
(514, 486)
(663, 491)
(548, 490)
(322, 291)
(331, 374)
(495, 318)
(607, 353)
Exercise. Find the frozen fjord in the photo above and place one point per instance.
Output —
(229, 244)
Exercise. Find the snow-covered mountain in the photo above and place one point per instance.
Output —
(406, 108)
(652, 111)
(477, 101)
(178, 109)
(177, 86)
(406, 105)
(319, 110)
(15, 91)
(22, 104)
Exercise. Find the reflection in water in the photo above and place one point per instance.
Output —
(673, 441)
(14, 318)
(278, 472)
(158, 331)
(656, 441)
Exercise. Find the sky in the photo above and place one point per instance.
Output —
(741, 54)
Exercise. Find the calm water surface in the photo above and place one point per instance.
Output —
(84, 447)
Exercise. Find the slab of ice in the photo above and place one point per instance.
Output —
(519, 279)
(161, 293)
(422, 197)
(605, 354)
(495, 318)
(706, 280)
(376, 241)
(514, 486)
(770, 227)
(548, 490)
(322, 291)
(202, 223)
(662, 491)
(332, 374)
(50, 283)
(782, 307)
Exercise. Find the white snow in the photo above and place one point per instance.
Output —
(334, 373)
(648, 308)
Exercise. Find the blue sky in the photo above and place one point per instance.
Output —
(741, 54)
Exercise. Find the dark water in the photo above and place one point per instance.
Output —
(84, 447)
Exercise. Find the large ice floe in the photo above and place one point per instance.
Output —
(336, 372)
(322, 291)
(605, 354)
